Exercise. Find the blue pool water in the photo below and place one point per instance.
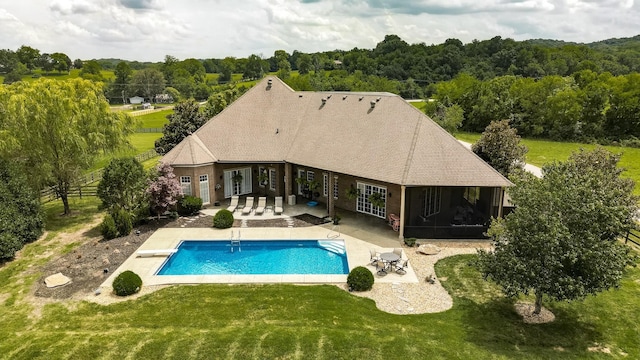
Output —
(257, 257)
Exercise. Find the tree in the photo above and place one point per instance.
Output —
(16, 74)
(58, 128)
(164, 189)
(500, 147)
(147, 82)
(123, 79)
(254, 69)
(61, 62)
(185, 120)
(448, 117)
(8, 61)
(561, 241)
(28, 56)
(77, 64)
(123, 184)
(21, 217)
(304, 64)
(283, 64)
(92, 71)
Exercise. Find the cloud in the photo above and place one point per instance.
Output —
(140, 4)
(74, 7)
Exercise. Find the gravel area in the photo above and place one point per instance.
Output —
(422, 297)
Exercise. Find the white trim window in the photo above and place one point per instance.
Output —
(272, 179)
(432, 201)
(364, 206)
(325, 184)
(311, 176)
(185, 184)
(204, 189)
(335, 187)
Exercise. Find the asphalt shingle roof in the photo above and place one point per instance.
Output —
(377, 136)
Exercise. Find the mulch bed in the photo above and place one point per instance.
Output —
(91, 263)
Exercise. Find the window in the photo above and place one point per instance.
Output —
(325, 185)
(472, 194)
(185, 183)
(432, 200)
(272, 179)
(310, 175)
(335, 187)
(204, 189)
(364, 206)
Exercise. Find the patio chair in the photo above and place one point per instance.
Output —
(402, 269)
(374, 256)
(248, 206)
(398, 251)
(277, 209)
(381, 267)
(262, 203)
(233, 205)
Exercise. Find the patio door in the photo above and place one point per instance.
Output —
(364, 206)
(204, 189)
(242, 187)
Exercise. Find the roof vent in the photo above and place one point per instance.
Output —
(360, 98)
(373, 104)
(329, 97)
(378, 99)
(300, 95)
(344, 97)
(269, 83)
(324, 100)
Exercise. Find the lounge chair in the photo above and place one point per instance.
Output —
(234, 203)
(262, 203)
(277, 209)
(248, 206)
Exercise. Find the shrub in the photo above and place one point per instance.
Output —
(127, 283)
(360, 279)
(108, 228)
(189, 205)
(410, 242)
(9, 245)
(122, 221)
(223, 219)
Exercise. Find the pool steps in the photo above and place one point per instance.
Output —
(336, 247)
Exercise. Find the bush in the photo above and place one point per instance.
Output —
(127, 283)
(9, 245)
(360, 279)
(108, 228)
(122, 220)
(223, 219)
(189, 205)
(410, 242)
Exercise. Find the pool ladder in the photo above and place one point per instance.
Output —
(235, 243)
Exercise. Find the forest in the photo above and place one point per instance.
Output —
(547, 88)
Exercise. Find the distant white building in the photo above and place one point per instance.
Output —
(136, 100)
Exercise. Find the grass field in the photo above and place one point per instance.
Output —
(155, 119)
(302, 322)
(141, 142)
(545, 151)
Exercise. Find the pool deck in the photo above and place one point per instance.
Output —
(169, 238)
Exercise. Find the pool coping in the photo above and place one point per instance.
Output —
(169, 238)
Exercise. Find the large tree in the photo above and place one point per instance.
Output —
(562, 239)
(148, 83)
(186, 119)
(58, 128)
(28, 56)
(500, 147)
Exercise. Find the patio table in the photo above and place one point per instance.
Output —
(389, 258)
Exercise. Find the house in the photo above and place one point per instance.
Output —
(429, 183)
(136, 100)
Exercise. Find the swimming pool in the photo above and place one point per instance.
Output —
(204, 257)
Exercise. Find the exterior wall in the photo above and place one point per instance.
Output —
(255, 186)
(194, 173)
(344, 183)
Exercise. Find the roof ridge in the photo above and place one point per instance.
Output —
(407, 165)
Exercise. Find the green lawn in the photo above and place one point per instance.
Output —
(544, 151)
(154, 119)
(141, 142)
(303, 322)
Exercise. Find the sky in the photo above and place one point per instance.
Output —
(147, 30)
